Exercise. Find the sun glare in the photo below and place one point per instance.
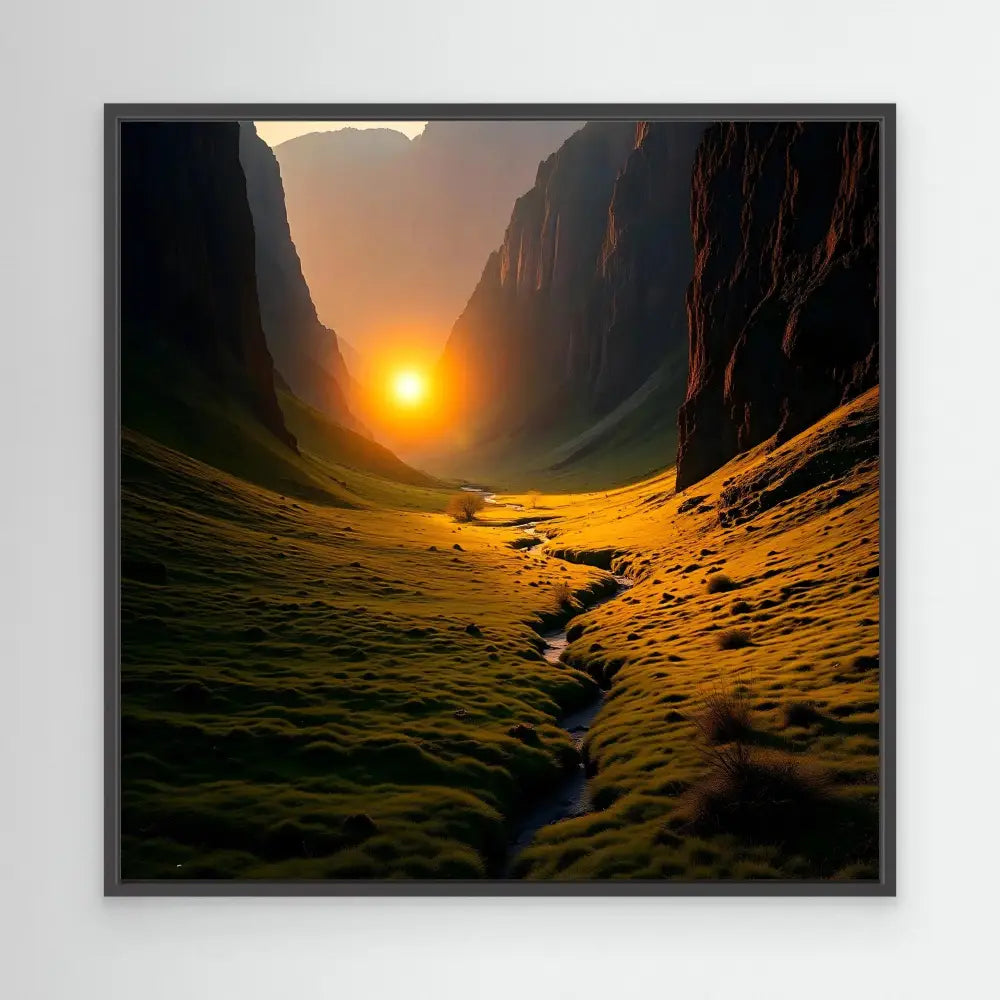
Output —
(409, 388)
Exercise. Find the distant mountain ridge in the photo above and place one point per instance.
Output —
(392, 232)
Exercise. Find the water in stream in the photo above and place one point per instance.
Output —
(571, 797)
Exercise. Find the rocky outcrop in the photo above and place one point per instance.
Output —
(784, 302)
(305, 352)
(189, 305)
(584, 300)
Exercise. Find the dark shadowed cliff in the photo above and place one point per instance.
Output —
(190, 320)
(305, 352)
(392, 233)
(577, 329)
(646, 259)
(784, 303)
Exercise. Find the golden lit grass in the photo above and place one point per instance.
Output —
(797, 526)
(319, 692)
(310, 691)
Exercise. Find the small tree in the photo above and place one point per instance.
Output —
(533, 499)
(465, 506)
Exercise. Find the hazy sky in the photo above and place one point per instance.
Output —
(274, 133)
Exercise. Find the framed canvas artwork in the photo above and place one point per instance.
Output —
(500, 499)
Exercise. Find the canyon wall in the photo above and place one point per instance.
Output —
(583, 303)
(189, 304)
(783, 306)
(305, 352)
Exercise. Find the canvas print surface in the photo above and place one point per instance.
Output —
(499, 500)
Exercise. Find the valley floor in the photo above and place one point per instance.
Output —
(314, 691)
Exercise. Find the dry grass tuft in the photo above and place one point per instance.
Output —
(725, 716)
(763, 796)
(563, 594)
(748, 791)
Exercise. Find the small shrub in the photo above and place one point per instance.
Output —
(740, 608)
(734, 638)
(719, 583)
(563, 594)
(465, 506)
(766, 797)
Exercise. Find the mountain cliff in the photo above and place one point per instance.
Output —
(392, 233)
(577, 329)
(305, 352)
(521, 337)
(190, 320)
(783, 304)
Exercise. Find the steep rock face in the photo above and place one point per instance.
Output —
(584, 300)
(522, 333)
(784, 302)
(188, 281)
(305, 352)
(646, 261)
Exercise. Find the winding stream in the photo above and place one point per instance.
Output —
(571, 796)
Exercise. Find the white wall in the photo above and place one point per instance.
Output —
(60, 62)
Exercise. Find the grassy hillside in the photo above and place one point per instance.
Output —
(370, 470)
(319, 692)
(740, 735)
(172, 403)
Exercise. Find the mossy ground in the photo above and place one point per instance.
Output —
(313, 690)
(316, 691)
(795, 528)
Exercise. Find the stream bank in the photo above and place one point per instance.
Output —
(571, 796)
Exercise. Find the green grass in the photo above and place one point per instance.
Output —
(809, 600)
(295, 665)
(333, 689)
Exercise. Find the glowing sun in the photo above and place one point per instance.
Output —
(409, 388)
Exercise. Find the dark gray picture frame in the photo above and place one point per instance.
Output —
(884, 114)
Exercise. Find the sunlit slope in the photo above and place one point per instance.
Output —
(795, 529)
(318, 692)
